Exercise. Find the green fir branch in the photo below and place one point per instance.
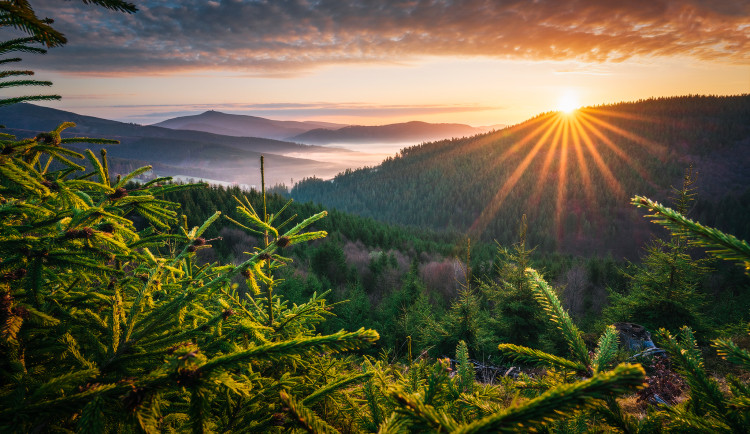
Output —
(306, 417)
(616, 417)
(394, 424)
(606, 349)
(92, 419)
(334, 343)
(546, 296)
(329, 388)
(10, 60)
(19, 44)
(90, 140)
(273, 216)
(305, 223)
(115, 5)
(14, 83)
(540, 358)
(421, 416)
(125, 179)
(704, 390)
(740, 404)
(731, 352)
(681, 419)
(98, 168)
(20, 99)
(718, 243)
(4, 74)
(557, 403)
(18, 14)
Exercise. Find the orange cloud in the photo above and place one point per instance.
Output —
(288, 36)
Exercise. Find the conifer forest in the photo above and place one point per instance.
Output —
(449, 289)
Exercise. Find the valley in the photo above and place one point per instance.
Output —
(217, 152)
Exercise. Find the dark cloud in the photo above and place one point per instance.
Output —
(288, 36)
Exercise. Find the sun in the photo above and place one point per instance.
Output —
(568, 102)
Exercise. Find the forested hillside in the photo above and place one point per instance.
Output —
(134, 306)
(571, 175)
(404, 132)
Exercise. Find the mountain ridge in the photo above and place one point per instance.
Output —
(200, 154)
(212, 121)
(26, 116)
(412, 131)
(573, 176)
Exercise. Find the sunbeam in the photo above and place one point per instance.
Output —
(543, 174)
(612, 182)
(562, 182)
(491, 209)
(550, 119)
(614, 114)
(651, 146)
(616, 149)
(577, 147)
(487, 139)
(583, 168)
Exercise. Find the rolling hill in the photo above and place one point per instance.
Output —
(413, 132)
(573, 176)
(36, 118)
(242, 125)
(181, 152)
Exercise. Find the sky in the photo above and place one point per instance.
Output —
(370, 62)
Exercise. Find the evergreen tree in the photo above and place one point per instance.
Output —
(108, 327)
(405, 312)
(664, 289)
(516, 315)
(710, 408)
(465, 320)
(328, 261)
(581, 362)
(465, 368)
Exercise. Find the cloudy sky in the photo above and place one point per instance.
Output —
(480, 62)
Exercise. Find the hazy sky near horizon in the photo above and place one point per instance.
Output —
(480, 62)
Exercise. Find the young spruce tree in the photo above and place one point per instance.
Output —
(664, 288)
(109, 327)
(516, 315)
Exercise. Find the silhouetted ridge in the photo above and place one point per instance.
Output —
(217, 122)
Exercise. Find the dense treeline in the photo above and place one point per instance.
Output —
(400, 280)
(571, 175)
(203, 202)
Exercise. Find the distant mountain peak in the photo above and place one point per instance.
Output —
(216, 122)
